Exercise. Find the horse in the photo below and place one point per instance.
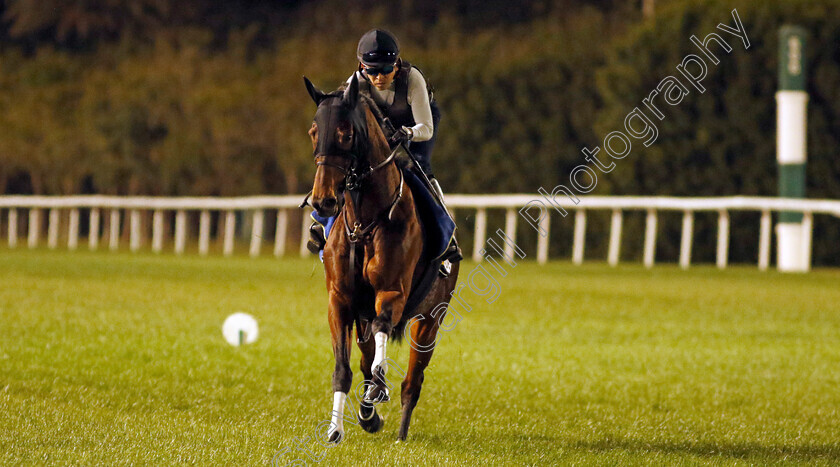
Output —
(373, 257)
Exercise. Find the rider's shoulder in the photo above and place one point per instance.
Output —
(415, 75)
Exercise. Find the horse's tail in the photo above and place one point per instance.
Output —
(397, 331)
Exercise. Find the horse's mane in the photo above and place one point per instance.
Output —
(377, 112)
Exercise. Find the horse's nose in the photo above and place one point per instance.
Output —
(326, 206)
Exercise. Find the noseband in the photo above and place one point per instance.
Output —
(353, 177)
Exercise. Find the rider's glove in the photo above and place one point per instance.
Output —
(403, 135)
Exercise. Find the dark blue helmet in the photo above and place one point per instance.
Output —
(377, 48)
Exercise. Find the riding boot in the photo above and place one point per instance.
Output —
(436, 187)
(317, 239)
(453, 253)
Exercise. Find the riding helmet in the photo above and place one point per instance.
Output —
(378, 47)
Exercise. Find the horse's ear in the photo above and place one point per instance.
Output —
(351, 94)
(316, 94)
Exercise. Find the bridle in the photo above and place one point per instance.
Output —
(348, 164)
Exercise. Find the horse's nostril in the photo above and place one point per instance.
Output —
(325, 206)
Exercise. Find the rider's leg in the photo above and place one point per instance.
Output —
(422, 151)
(318, 232)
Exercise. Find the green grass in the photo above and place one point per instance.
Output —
(119, 359)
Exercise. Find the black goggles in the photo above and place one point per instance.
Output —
(373, 71)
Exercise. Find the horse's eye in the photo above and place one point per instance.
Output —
(345, 137)
(313, 135)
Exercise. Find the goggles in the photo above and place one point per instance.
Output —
(373, 71)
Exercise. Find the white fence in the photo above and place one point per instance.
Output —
(107, 211)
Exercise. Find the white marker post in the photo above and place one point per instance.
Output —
(791, 129)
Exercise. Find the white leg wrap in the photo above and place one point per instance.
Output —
(337, 414)
(381, 340)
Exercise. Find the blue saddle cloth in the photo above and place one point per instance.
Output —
(438, 227)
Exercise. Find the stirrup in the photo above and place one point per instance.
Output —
(318, 240)
(453, 254)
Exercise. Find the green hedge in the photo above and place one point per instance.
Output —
(183, 113)
(723, 142)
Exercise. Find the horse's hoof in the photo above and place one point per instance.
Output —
(371, 422)
(378, 390)
(336, 437)
(376, 395)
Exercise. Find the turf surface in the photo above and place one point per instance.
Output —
(119, 359)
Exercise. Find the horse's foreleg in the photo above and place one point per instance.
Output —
(368, 418)
(389, 307)
(423, 334)
(340, 326)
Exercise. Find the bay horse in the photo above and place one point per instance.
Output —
(373, 257)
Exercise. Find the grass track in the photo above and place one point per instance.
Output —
(119, 359)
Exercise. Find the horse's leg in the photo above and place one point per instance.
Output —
(340, 325)
(423, 335)
(368, 418)
(389, 307)
(389, 272)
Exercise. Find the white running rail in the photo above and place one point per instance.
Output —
(108, 214)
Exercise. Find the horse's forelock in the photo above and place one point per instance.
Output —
(357, 116)
(332, 111)
(361, 141)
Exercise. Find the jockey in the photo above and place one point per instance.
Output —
(401, 92)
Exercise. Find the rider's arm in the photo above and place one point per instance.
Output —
(421, 110)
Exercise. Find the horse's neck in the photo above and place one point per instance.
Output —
(382, 185)
(378, 146)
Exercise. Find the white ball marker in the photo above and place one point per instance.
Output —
(240, 328)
